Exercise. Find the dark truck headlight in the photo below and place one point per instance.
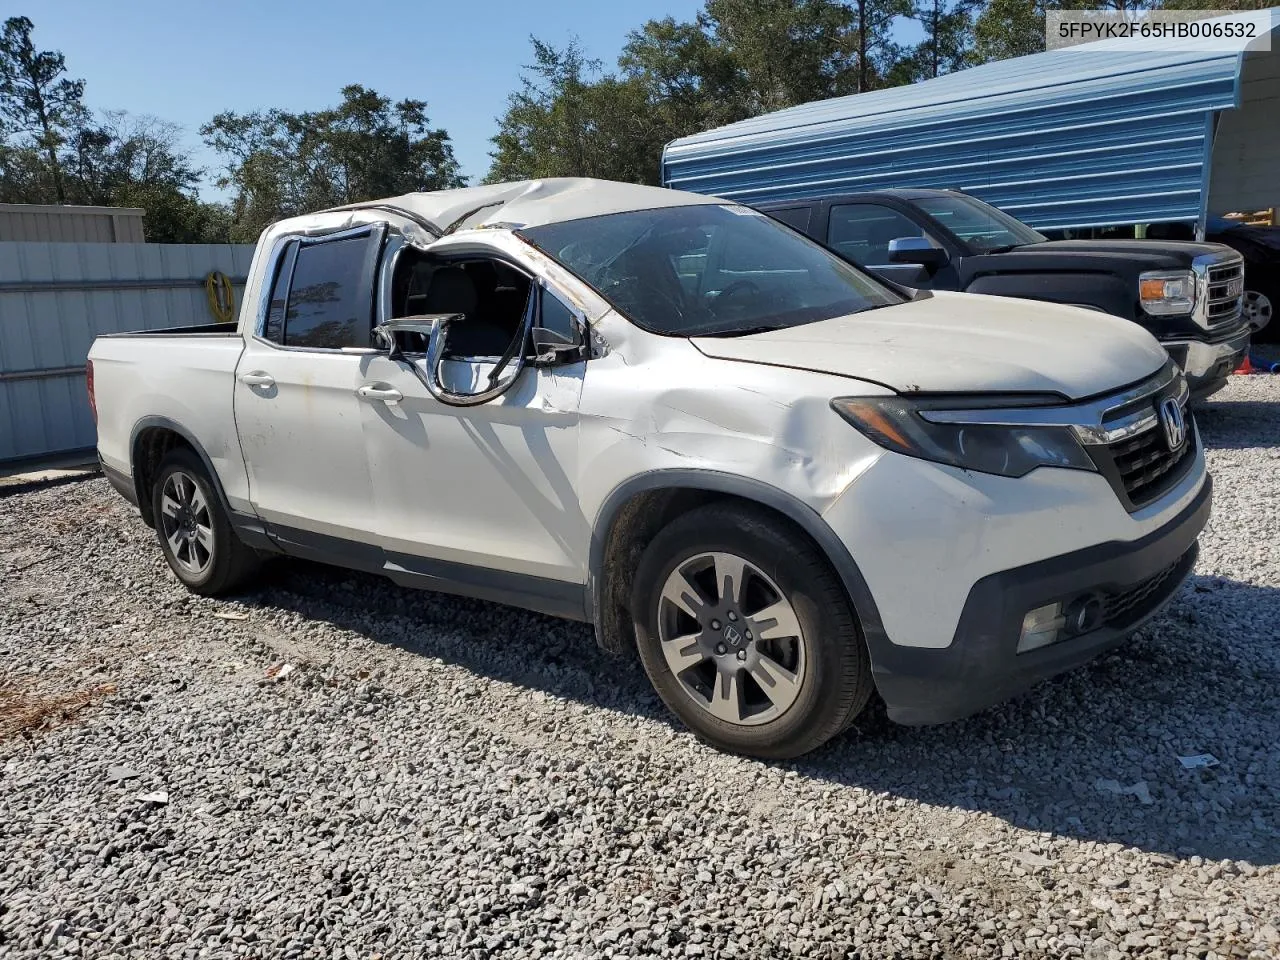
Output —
(954, 433)
(1167, 292)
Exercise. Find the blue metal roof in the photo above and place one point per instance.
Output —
(1090, 136)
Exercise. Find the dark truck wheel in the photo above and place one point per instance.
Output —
(195, 534)
(747, 634)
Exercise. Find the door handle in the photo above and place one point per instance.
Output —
(371, 391)
(257, 379)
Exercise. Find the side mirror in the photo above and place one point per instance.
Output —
(916, 250)
(550, 346)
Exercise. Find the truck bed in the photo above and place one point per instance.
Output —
(204, 330)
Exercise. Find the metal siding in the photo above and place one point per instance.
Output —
(1246, 151)
(48, 330)
(1060, 139)
(70, 224)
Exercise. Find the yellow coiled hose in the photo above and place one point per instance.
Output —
(221, 296)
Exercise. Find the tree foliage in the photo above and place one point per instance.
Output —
(54, 150)
(280, 164)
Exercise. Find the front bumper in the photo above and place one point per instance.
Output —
(981, 666)
(1207, 365)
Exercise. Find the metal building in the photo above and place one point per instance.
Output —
(1096, 135)
(43, 222)
(56, 297)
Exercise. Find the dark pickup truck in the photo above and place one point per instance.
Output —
(1188, 295)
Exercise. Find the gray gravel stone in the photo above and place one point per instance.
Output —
(446, 778)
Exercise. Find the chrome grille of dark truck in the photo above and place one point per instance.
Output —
(1215, 279)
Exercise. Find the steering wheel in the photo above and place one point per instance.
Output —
(622, 287)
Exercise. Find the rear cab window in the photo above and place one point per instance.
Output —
(322, 293)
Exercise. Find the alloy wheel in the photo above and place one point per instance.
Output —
(1256, 309)
(186, 523)
(731, 638)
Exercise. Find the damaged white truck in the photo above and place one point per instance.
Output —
(788, 484)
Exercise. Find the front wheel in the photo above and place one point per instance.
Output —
(747, 634)
(195, 533)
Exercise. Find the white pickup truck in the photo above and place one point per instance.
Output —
(788, 484)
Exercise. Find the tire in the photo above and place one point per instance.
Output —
(812, 649)
(205, 554)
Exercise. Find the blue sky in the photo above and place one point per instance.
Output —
(186, 61)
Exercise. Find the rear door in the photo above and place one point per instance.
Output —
(295, 404)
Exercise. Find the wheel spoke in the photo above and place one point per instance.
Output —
(779, 685)
(204, 537)
(730, 575)
(776, 622)
(682, 653)
(168, 506)
(198, 506)
(683, 594)
(726, 699)
(176, 542)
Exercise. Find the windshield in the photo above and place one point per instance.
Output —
(708, 270)
(980, 225)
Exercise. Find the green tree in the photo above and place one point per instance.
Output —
(790, 51)
(569, 120)
(692, 81)
(128, 161)
(1009, 28)
(37, 100)
(876, 52)
(281, 164)
(948, 38)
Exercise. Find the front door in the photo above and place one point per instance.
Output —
(863, 231)
(296, 410)
(484, 495)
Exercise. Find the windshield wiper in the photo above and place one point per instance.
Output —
(744, 331)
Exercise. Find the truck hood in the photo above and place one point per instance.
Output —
(961, 343)
(1141, 254)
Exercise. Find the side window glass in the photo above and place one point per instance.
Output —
(862, 231)
(325, 307)
(273, 329)
(797, 217)
(558, 316)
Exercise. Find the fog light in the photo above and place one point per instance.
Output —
(1041, 627)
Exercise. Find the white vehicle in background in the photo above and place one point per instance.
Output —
(787, 483)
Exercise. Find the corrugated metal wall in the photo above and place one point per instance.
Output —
(40, 222)
(56, 297)
(1246, 149)
(1066, 138)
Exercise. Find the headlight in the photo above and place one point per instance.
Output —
(897, 424)
(1165, 292)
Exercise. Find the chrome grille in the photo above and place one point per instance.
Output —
(1145, 464)
(1221, 290)
(1130, 447)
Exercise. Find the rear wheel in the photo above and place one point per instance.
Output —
(194, 531)
(747, 634)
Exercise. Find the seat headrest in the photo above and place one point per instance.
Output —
(450, 291)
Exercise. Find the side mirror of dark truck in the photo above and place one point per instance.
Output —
(916, 250)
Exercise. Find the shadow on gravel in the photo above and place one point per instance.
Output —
(1178, 688)
(1239, 425)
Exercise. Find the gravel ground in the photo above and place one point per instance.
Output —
(333, 767)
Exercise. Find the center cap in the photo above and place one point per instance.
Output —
(732, 635)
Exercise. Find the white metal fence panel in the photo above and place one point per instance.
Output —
(56, 297)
